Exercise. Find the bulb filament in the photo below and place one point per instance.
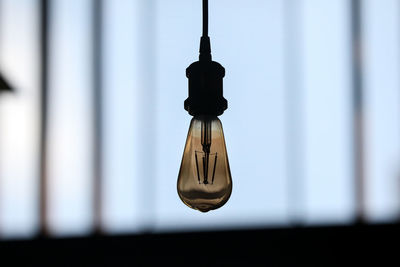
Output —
(205, 155)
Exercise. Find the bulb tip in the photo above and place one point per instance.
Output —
(203, 208)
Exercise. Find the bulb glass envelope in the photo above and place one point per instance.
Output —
(204, 181)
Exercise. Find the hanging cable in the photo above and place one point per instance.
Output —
(205, 46)
(205, 18)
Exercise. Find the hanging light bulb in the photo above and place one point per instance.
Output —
(204, 180)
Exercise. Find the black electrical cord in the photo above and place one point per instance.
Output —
(205, 46)
(205, 18)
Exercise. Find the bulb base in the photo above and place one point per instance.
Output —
(205, 88)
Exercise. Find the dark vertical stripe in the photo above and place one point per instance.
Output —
(44, 50)
(98, 116)
(358, 117)
(146, 58)
(294, 111)
(1, 174)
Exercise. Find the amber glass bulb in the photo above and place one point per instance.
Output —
(204, 181)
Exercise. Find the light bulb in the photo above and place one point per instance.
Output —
(204, 180)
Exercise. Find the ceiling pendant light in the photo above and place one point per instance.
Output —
(204, 180)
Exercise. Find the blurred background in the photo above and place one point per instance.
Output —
(92, 135)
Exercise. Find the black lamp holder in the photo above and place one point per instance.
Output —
(205, 79)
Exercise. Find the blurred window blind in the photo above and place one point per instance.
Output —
(70, 115)
(19, 118)
(288, 128)
(326, 103)
(129, 123)
(382, 108)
